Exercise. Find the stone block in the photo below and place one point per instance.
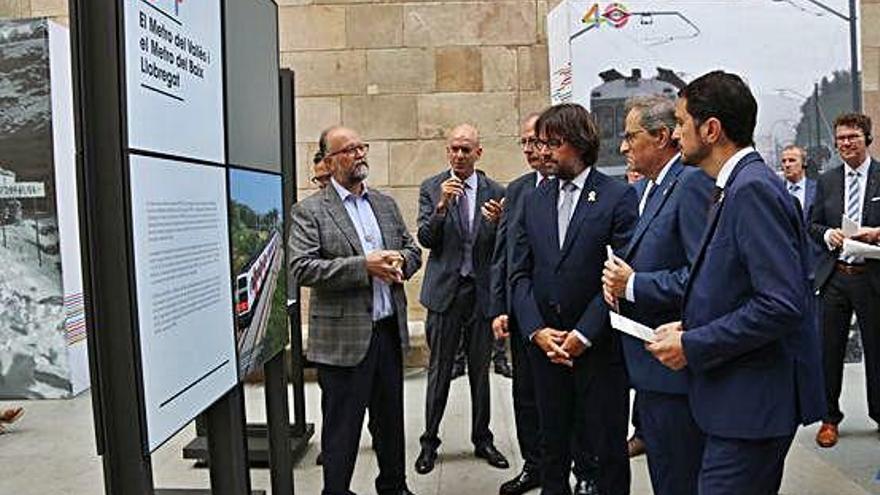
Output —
(485, 23)
(869, 22)
(532, 101)
(503, 159)
(287, 3)
(311, 27)
(328, 72)
(534, 67)
(48, 8)
(381, 117)
(871, 100)
(313, 115)
(870, 68)
(407, 199)
(378, 160)
(12, 9)
(374, 26)
(494, 114)
(499, 68)
(458, 68)
(541, 20)
(411, 162)
(406, 70)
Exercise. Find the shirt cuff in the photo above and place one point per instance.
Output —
(631, 288)
(581, 337)
(827, 237)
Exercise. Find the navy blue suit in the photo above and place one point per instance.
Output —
(558, 288)
(665, 243)
(750, 335)
(525, 407)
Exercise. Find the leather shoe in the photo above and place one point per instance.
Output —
(586, 487)
(503, 368)
(425, 461)
(526, 480)
(492, 456)
(635, 446)
(827, 436)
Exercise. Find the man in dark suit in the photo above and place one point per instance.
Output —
(560, 249)
(350, 245)
(455, 289)
(794, 170)
(747, 335)
(647, 283)
(848, 283)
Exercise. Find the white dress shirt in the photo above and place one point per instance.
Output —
(361, 214)
(471, 192)
(631, 281)
(801, 192)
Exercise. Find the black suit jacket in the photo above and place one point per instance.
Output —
(828, 210)
(441, 233)
(505, 239)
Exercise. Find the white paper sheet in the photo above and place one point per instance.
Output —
(860, 249)
(848, 226)
(628, 326)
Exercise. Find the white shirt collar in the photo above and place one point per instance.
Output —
(798, 183)
(665, 169)
(345, 193)
(727, 169)
(579, 180)
(539, 178)
(471, 180)
(863, 168)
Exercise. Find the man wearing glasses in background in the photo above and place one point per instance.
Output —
(848, 283)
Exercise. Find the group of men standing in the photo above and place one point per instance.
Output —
(712, 250)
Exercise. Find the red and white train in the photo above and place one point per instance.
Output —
(249, 284)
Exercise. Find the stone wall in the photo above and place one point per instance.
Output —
(403, 72)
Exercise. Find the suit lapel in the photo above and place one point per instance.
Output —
(715, 216)
(384, 216)
(340, 218)
(653, 208)
(871, 188)
(837, 192)
(483, 195)
(585, 208)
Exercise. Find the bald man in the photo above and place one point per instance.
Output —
(455, 290)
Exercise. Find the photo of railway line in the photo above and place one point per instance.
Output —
(259, 296)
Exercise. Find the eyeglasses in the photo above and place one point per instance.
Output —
(354, 150)
(527, 143)
(845, 138)
(629, 137)
(550, 144)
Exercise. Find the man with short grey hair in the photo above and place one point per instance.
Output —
(647, 284)
(350, 245)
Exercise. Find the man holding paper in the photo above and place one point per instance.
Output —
(848, 206)
(747, 334)
(647, 282)
(557, 262)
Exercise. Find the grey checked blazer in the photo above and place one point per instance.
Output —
(326, 255)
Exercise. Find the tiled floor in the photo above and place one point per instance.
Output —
(51, 451)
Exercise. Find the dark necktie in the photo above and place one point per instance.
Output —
(467, 258)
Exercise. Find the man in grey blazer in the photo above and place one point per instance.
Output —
(350, 245)
(456, 287)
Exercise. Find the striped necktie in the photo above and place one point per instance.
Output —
(853, 205)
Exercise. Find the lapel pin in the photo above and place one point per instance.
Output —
(591, 196)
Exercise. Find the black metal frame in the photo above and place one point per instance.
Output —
(105, 223)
